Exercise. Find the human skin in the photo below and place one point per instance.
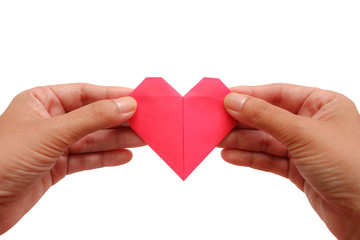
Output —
(49, 132)
(307, 135)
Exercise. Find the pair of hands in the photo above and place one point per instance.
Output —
(307, 135)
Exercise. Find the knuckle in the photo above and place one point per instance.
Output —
(27, 93)
(59, 138)
(261, 112)
(89, 141)
(347, 101)
(96, 111)
(278, 99)
(40, 94)
(100, 111)
(83, 93)
(37, 91)
(265, 142)
(237, 139)
(295, 132)
(250, 160)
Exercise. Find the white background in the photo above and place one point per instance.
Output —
(306, 42)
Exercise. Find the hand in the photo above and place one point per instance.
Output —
(49, 132)
(307, 135)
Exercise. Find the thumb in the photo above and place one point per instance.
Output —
(72, 126)
(280, 123)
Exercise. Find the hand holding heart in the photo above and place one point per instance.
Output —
(49, 132)
(308, 135)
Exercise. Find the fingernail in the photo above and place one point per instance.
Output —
(235, 101)
(126, 104)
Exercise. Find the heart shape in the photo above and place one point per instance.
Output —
(181, 130)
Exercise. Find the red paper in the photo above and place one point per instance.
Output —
(181, 130)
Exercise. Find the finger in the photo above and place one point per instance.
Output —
(286, 96)
(73, 96)
(105, 140)
(260, 161)
(88, 161)
(281, 124)
(253, 140)
(240, 125)
(124, 124)
(69, 128)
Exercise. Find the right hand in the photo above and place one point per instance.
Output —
(307, 135)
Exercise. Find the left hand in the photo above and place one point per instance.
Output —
(49, 132)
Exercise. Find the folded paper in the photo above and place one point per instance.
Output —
(181, 130)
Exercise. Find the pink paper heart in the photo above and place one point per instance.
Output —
(181, 130)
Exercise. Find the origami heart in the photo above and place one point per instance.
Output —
(181, 130)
